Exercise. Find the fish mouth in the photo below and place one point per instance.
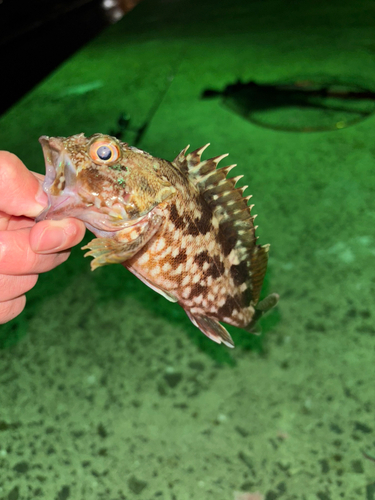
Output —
(57, 162)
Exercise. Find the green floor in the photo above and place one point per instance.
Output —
(107, 390)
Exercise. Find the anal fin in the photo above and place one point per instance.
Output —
(211, 328)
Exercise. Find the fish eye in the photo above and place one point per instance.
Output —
(104, 151)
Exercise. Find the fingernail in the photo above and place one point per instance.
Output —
(41, 198)
(51, 239)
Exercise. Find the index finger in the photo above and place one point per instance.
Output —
(20, 191)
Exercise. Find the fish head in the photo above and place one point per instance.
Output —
(101, 181)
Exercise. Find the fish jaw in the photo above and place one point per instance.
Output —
(60, 182)
(68, 196)
(61, 171)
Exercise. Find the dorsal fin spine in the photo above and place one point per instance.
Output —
(227, 169)
(181, 155)
(195, 156)
(206, 168)
(221, 175)
(217, 159)
(236, 179)
(201, 150)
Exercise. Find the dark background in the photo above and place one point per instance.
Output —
(36, 36)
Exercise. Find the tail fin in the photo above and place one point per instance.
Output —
(262, 307)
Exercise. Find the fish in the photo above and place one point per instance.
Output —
(181, 227)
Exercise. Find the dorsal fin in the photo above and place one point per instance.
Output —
(221, 194)
(236, 223)
(181, 160)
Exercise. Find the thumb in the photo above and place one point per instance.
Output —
(20, 191)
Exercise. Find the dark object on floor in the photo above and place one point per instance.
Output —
(124, 120)
(303, 105)
(122, 126)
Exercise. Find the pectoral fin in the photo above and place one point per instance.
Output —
(124, 244)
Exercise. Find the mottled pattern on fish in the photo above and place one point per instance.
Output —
(182, 227)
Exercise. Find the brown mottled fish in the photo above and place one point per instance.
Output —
(181, 227)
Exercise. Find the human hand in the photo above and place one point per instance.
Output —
(26, 248)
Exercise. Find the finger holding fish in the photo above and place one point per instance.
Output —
(18, 258)
(11, 308)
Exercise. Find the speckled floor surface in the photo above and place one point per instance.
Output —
(107, 391)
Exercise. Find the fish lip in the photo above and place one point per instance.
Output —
(49, 177)
(49, 153)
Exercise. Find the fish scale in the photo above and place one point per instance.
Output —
(182, 227)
